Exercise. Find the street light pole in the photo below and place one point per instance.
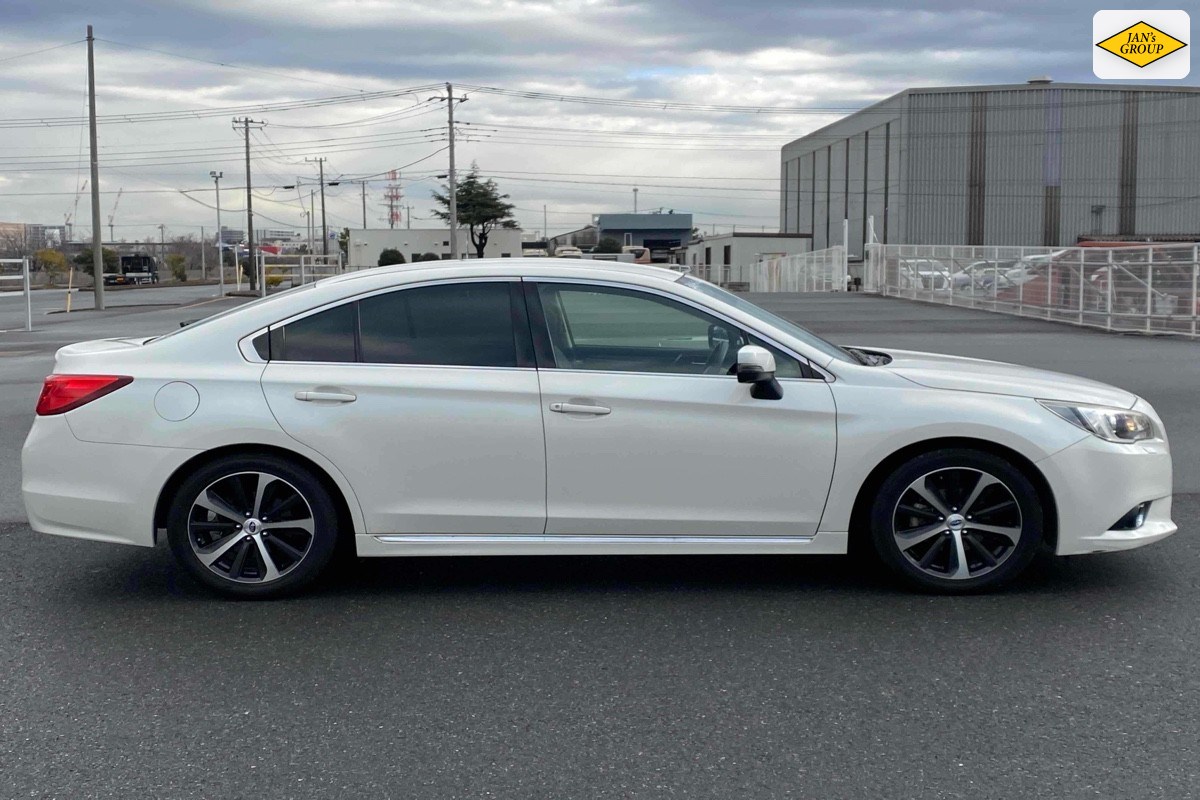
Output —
(216, 176)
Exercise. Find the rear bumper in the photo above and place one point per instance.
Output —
(88, 490)
(1095, 483)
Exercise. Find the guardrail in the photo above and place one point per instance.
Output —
(1149, 288)
(24, 279)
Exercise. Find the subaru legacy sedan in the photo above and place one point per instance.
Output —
(558, 407)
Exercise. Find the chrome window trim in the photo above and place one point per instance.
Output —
(822, 374)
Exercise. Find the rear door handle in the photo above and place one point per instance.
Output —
(579, 408)
(326, 397)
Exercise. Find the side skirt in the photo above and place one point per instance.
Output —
(372, 545)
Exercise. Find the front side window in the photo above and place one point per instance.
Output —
(624, 330)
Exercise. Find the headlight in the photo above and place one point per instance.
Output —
(1110, 424)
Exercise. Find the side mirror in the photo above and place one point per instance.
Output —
(756, 366)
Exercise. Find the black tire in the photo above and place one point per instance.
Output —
(286, 545)
(906, 521)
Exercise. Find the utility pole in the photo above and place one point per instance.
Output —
(312, 221)
(162, 244)
(635, 199)
(408, 217)
(324, 228)
(252, 274)
(453, 183)
(97, 231)
(216, 176)
(203, 256)
(545, 225)
(364, 198)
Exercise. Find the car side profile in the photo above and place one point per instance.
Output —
(541, 406)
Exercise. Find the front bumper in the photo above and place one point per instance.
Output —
(89, 490)
(1096, 482)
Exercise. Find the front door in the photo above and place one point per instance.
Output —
(649, 433)
(427, 401)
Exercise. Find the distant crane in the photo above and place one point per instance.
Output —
(112, 237)
(74, 210)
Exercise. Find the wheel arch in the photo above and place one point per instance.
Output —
(860, 514)
(346, 517)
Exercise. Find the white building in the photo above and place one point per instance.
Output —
(734, 253)
(366, 245)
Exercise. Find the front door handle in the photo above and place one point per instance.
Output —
(326, 397)
(579, 408)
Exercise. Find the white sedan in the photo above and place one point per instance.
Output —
(557, 407)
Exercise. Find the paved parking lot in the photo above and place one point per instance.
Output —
(611, 677)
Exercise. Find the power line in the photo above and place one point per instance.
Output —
(43, 50)
(229, 65)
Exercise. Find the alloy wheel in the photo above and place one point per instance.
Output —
(250, 527)
(957, 523)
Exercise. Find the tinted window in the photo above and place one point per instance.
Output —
(327, 336)
(466, 324)
(623, 330)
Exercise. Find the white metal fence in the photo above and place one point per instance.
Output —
(818, 271)
(1144, 287)
(7, 275)
(277, 271)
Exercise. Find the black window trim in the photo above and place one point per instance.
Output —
(522, 331)
(545, 354)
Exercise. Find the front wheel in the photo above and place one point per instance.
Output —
(252, 526)
(957, 521)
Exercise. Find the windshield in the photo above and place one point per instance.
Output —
(234, 310)
(787, 326)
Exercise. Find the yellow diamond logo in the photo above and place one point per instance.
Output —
(1141, 44)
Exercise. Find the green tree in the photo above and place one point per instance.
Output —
(389, 256)
(178, 266)
(344, 242)
(607, 245)
(51, 262)
(111, 262)
(481, 208)
(426, 257)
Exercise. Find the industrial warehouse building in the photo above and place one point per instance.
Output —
(1027, 164)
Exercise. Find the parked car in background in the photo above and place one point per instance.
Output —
(924, 273)
(641, 255)
(539, 406)
(981, 276)
(568, 252)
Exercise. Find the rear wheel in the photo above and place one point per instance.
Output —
(957, 521)
(252, 526)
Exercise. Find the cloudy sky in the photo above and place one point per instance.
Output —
(221, 58)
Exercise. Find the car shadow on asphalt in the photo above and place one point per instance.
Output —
(150, 576)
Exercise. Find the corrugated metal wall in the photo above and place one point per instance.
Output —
(1018, 165)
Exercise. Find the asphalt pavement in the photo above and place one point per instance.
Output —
(606, 677)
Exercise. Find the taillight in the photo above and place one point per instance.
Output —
(61, 393)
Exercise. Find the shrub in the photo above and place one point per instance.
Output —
(389, 256)
(178, 267)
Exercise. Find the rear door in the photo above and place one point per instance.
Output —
(427, 399)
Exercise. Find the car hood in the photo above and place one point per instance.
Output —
(994, 377)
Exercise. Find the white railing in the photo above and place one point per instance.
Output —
(818, 271)
(1139, 287)
(286, 271)
(23, 277)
